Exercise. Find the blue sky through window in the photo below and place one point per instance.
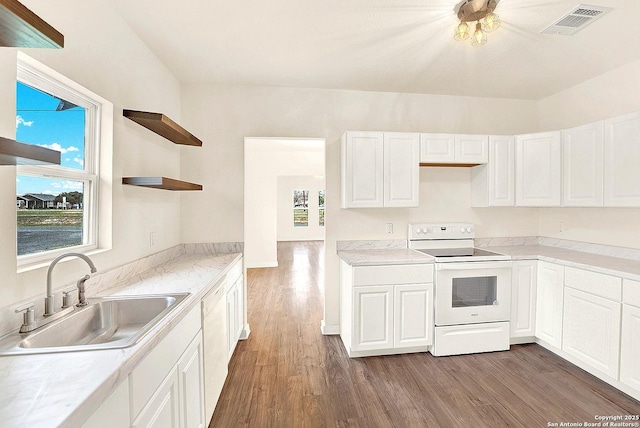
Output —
(45, 120)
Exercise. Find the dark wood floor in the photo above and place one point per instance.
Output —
(289, 375)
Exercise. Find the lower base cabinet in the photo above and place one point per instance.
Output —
(164, 408)
(114, 411)
(523, 301)
(386, 309)
(549, 297)
(630, 347)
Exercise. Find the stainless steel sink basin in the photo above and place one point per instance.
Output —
(105, 323)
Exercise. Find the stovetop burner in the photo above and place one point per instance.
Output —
(449, 242)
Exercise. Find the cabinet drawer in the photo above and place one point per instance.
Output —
(147, 377)
(393, 274)
(631, 293)
(607, 286)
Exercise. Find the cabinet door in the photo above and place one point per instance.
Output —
(437, 148)
(239, 307)
(591, 330)
(471, 149)
(582, 169)
(630, 347)
(401, 169)
(162, 411)
(362, 170)
(494, 184)
(621, 158)
(190, 372)
(413, 315)
(373, 318)
(523, 299)
(538, 169)
(232, 320)
(549, 294)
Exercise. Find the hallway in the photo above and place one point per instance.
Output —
(287, 374)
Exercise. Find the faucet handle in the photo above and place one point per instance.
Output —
(28, 318)
(67, 296)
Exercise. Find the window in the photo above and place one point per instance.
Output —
(300, 208)
(57, 206)
(321, 208)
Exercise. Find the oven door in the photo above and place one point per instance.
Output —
(472, 292)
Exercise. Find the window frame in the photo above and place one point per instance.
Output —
(41, 77)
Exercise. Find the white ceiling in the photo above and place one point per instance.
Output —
(381, 45)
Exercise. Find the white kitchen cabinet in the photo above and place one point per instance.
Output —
(362, 169)
(235, 307)
(549, 306)
(493, 184)
(163, 410)
(621, 158)
(215, 346)
(114, 411)
(453, 149)
(413, 314)
(591, 330)
(386, 309)
(401, 177)
(630, 338)
(539, 169)
(437, 148)
(583, 166)
(373, 318)
(380, 169)
(191, 385)
(523, 301)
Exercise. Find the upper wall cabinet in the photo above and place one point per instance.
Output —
(22, 28)
(493, 184)
(539, 169)
(621, 157)
(582, 169)
(380, 169)
(461, 149)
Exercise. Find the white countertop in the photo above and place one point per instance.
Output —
(64, 389)
(384, 257)
(624, 268)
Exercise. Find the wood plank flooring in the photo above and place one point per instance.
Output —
(287, 374)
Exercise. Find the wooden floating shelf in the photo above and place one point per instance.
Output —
(458, 165)
(21, 28)
(163, 126)
(15, 153)
(161, 183)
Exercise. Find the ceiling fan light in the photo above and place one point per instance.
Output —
(479, 37)
(462, 31)
(491, 22)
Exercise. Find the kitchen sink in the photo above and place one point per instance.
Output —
(105, 323)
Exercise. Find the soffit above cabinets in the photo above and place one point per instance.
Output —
(15, 153)
(21, 28)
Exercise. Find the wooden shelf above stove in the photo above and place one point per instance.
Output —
(21, 28)
(163, 126)
(15, 153)
(161, 183)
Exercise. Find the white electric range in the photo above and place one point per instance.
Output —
(472, 289)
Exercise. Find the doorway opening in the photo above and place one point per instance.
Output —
(284, 194)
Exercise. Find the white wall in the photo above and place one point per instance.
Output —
(104, 55)
(608, 95)
(224, 116)
(265, 160)
(286, 185)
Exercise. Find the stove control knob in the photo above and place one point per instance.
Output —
(462, 230)
(469, 229)
(419, 231)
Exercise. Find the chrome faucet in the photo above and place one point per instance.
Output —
(30, 323)
(49, 302)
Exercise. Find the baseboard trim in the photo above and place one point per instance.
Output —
(262, 265)
(329, 330)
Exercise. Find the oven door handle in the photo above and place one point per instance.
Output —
(473, 265)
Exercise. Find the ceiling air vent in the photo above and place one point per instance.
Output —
(574, 21)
